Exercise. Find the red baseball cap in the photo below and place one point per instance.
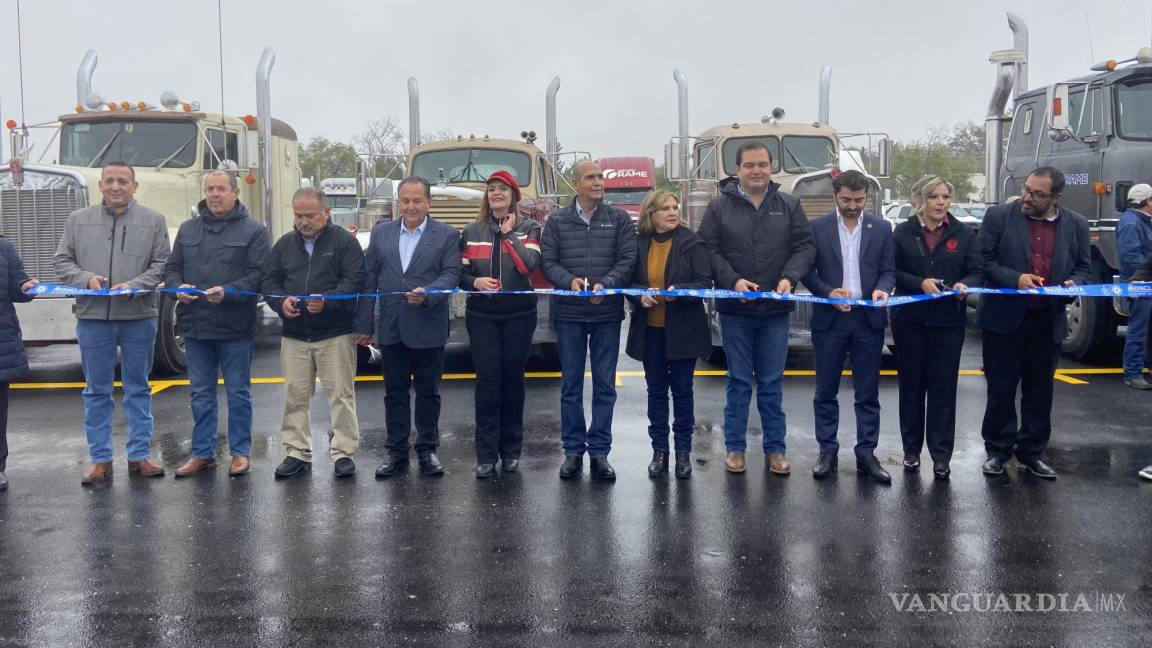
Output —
(506, 178)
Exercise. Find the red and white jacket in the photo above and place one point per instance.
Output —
(518, 253)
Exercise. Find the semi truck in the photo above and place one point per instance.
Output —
(171, 147)
(806, 156)
(1095, 128)
(627, 180)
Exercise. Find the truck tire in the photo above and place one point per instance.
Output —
(170, 355)
(1091, 324)
(716, 357)
(549, 356)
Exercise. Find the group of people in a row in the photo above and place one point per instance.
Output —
(752, 238)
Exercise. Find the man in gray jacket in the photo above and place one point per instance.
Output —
(120, 245)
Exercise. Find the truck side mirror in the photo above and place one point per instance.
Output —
(251, 149)
(672, 169)
(1059, 128)
(885, 157)
(361, 187)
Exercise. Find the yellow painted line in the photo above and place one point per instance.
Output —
(1068, 379)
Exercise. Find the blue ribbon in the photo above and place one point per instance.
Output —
(1132, 290)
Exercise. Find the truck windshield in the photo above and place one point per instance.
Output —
(138, 143)
(1134, 108)
(625, 196)
(733, 144)
(808, 154)
(337, 202)
(471, 165)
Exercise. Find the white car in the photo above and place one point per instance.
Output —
(898, 212)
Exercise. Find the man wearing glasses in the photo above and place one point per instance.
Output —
(1031, 243)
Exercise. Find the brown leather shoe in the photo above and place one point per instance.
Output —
(96, 472)
(195, 465)
(777, 464)
(239, 466)
(146, 468)
(734, 462)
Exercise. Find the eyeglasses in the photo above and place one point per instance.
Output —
(1039, 195)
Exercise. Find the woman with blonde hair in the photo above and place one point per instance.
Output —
(668, 334)
(934, 252)
(499, 251)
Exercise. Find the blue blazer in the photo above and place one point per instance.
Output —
(877, 267)
(435, 264)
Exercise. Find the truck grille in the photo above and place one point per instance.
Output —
(456, 213)
(34, 219)
(817, 206)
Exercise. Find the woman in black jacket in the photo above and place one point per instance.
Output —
(14, 287)
(499, 251)
(934, 252)
(667, 335)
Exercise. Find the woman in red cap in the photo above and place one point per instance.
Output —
(499, 250)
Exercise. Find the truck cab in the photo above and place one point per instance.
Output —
(627, 181)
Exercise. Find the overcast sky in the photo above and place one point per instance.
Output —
(900, 66)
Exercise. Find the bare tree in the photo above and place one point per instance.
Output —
(386, 144)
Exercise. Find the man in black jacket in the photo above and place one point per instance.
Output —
(221, 249)
(760, 239)
(1032, 243)
(588, 245)
(314, 260)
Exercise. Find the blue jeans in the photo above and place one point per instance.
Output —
(98, 342)
(574, 341)
(207, 360)
(756, 347)
(663, 375)
(1135, 343)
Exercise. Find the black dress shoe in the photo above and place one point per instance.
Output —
(1038, 468)
(3, 482)
(601, 469)
(993, 466)
(659, 465)
(825, 466)
(941, 471)
(572, 466)
(683, 465)
(291, 466)
(870, 466)
(430, 465)
(395, 465)
(510, 465)
(345, 467)
(911, 462)
(485, 471)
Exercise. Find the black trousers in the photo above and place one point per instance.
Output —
(406, 368)
(500, 351)
(3, 426)
(927, 364)
(1025, 358)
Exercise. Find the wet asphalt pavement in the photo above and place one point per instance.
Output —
(528, 560)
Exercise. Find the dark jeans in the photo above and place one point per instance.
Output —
(500, 353)
(1137, 352)
(3, 426)
(850, 334)
(1025, 358)
(663, 375)
(757, 349)
(927, 363)
(207, 360)
(575, 341)
(405, 368)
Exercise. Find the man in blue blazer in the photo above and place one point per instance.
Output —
(855, 258)
(1031, 243)
(410, 256)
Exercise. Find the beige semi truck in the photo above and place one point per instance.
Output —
(171, 147)
(806, 156)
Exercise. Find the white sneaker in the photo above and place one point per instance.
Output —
(1146, 473)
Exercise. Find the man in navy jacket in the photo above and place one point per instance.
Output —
(855, 258)
(1031, 243)
(410, 256)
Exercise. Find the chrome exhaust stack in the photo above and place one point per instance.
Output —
(264, 128)
(551, 144)
(413, 113)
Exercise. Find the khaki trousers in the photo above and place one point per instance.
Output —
(333, 361)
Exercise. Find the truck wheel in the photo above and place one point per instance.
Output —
(715, 357)
(549, 355)
(1091, 324)
(170, 356)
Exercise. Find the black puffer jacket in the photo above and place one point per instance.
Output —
(603, 252)
(13, 359)
(335, 267)
(762, 245)
(956, 259)
(686, 331)
(227, 251)
(518, 253)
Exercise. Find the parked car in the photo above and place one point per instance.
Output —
(898, 212)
